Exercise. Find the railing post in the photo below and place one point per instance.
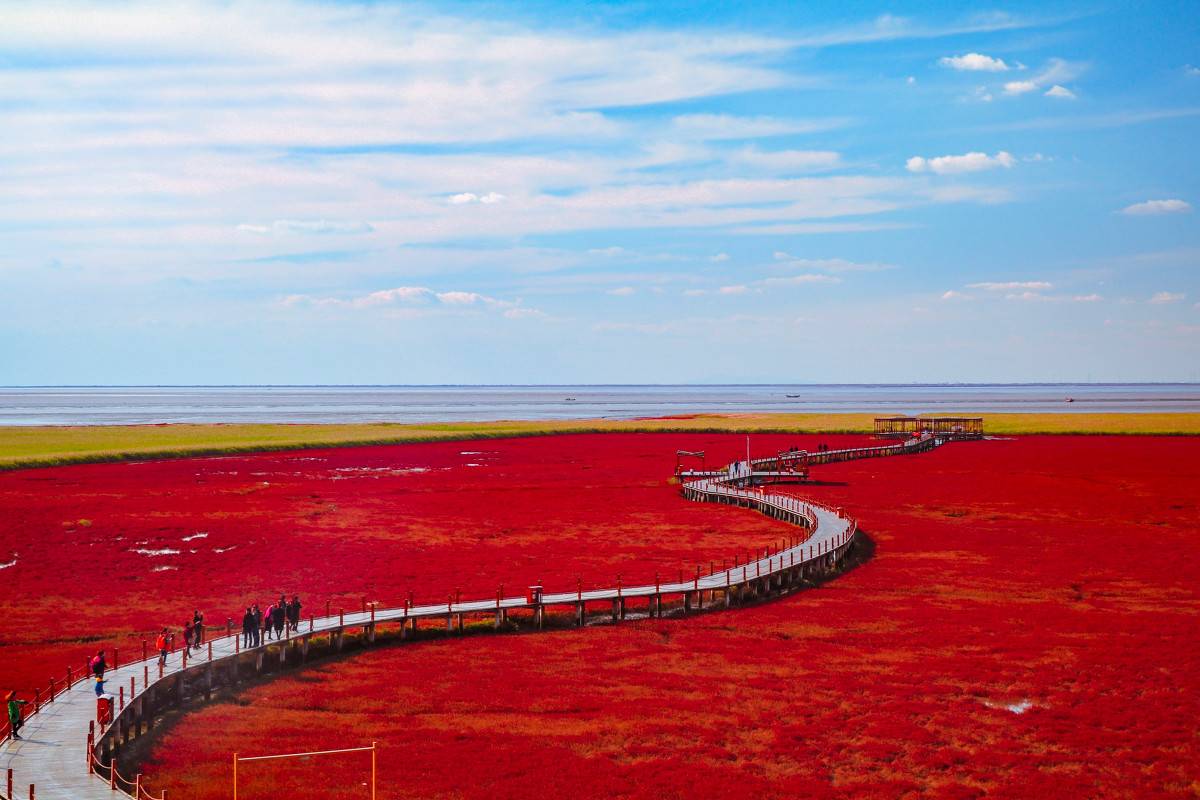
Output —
(51, 700)
(210, 651)
(116, 652)
(10, 782)
(70, 677)
(146, 676)
(144, 645)
(121, 696)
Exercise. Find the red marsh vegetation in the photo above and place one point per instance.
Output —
(1027, 627)
(104, 554)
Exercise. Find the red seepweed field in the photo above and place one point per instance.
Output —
(1027, 627)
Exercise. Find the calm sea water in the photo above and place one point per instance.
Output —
(140, 404)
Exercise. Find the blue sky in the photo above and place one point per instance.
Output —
(559, 192)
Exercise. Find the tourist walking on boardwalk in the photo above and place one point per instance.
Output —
(198, 628)
(248, 627)
(98, 665)
(277, 617)
(14, 717)
(163, 643)
(268, 621)
(188, 632)
(258, 619)
(294, 613)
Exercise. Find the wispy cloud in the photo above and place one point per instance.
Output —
(409, 296)
(1008, 286)
(1162, 298)
(302, 226)
(1056, 71)
(828, 264)
(1149, 208)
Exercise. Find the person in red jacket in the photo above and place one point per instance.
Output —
(163, 643)
(98, 665)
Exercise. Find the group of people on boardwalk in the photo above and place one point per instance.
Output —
(258, 625)
(280, 618)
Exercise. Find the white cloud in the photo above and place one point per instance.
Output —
(738, 289)
(968, 162)
(1061, 92)
(463, 298)
(401, 294)
(951, 294)
(1153, 207)
(1056, 72)
(1008, 286)
(1087, 298)
(608, 252)
(464, 198)
(1191, 71)
(622, 291)
(974, 62)
(719, 257)
(910, 80)
(1162, 298)
(1020, 87)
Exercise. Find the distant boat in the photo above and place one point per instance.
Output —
(570, 399)
(1070, 400)
(791, 395)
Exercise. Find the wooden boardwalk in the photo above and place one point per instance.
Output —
(68, 756)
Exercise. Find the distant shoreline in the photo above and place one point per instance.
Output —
(44, 446)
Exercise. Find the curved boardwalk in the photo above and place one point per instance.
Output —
(67, 755)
